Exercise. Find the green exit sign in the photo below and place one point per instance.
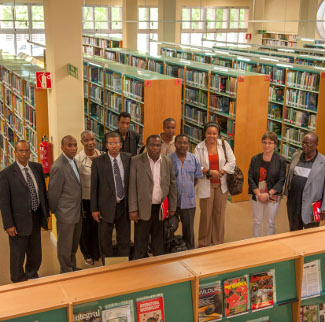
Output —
(263, 32)
(73, 71)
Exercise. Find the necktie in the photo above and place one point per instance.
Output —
(32, 190)
(118, 181)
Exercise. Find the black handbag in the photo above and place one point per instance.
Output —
(235, 181)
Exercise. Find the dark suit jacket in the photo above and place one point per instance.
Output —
(134, 142)
(103, 192)
(15, 198)
(141, 185)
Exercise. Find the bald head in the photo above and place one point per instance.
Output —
(69, 146)
(309, 145)
(313, 136)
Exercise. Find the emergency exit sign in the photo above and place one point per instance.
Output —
(73, 71)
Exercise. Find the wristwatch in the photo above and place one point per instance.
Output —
(208, 175)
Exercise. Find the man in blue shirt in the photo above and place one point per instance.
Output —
(187, 170)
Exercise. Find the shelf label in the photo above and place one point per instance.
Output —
(43, 80)
(73, 71)
(267, 78)
(178, 81)
(147, 83)
(241, 78)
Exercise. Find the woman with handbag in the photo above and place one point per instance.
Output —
(266, 176)
(216, 162)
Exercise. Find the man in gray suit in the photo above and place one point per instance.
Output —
(65, 198)
(305, 184)
(152, 179)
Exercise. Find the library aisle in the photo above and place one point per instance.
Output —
(238, 226)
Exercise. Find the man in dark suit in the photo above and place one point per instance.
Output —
(24, 209)
(109, 195)
(65, 200)
(130, 139)
(152, 179)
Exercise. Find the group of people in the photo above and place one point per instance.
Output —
(93, 192)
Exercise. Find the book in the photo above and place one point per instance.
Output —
(262, 290)
(151, 309)
(316, 209)
(92, 315)
(235, 295)
(210, 302)
(322, 312)
(118, 312)
(309, 313)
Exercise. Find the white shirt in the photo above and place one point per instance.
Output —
(74, 167)
(120, 165)
(155, 170)
(31, 174)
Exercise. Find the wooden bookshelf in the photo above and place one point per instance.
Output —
(20, 105)
(97, 45)
(111, 88)
(279, 39)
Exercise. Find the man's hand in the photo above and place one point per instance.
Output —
(12, 231)
(96, 215)
(134, 216)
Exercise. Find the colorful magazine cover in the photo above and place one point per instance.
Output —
(309, 313)
(92, 315)
(210, 302)
(262, 289)
(322, 312)
(151, 309)
(118, 312)
(235, 295)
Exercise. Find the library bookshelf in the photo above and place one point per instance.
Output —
(23, 109)
(111, 88)
(279, 39)
(284, 254)
(97, 45)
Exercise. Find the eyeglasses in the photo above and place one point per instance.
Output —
(306, 144)
(23, 151)
(114, 143)
(267, 143)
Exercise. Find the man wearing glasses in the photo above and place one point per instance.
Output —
(305, 184)
(109, 197)
(24, 209)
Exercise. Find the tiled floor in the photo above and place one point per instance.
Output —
(238, 226)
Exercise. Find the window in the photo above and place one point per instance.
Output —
(148, 28)
(321, 20)
(102, 19)
(19, 23)
(214, 23)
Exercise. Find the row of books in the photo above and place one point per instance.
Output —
(16, 83)
(223, 104)
(96, 75)
(96, 93)
(113, 101)
(306, 62)
(277, 75)
(223, 84)
(86, 106)
(124, 59)
(172, 70)
(288, 151)
(227, 125)
(274, 127)
(29, 93)
(2, 109)
(237, 296)
(274, 111)
(133, 88)
(31, 137)
(113, 81)
(135, 109)
(276, 94)
(6, 77)
(98, 51)
(196, 96)
(111, 119)
(183, 55)
(281, 43)
(167, 53)
(87, 50)
(201, 59)
(197, 78)
(148, 308)
(10, 118)
(301, 99)
(96, 127)
(155, 66)
(85, 70)
(110, 55)
(293, 135)
(195, 115)
(86, 89)
(19, 127)
(303, 80)
(139, 62)
(221, 62)
(97, 112)
(193, 132)
(30, 116)
(94, 41)
(300, 118)
(245, 66)
(139, 129)
(8, 98)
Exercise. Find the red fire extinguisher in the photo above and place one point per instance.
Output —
(45, 148)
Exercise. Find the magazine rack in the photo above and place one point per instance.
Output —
(177, 276)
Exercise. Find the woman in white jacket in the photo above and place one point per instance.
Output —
(212, 187)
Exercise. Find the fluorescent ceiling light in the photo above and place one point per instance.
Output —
(270, 59)
(286, 50)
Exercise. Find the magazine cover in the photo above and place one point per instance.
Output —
(309, 313)
(235, 295)
(87, 316)
(322, 312)
(210, 302)
(118, 312)
(262, 289)
(151, 309)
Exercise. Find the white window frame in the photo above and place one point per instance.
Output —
(148, 30)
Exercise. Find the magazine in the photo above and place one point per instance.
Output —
(322, 312)
(92, 315)
(210, 302)
(151, 309)
(311, 279)
(262, 290)
(118, 312)
(235, 295)
(309, 313)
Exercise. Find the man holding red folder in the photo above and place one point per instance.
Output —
(305, 184)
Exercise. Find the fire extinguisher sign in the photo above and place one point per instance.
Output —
(43, 80)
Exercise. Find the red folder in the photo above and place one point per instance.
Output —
(164, 208)
(316, 210)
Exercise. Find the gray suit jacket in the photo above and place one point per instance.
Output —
(141, 185)
(314, 187)
(64, 192)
